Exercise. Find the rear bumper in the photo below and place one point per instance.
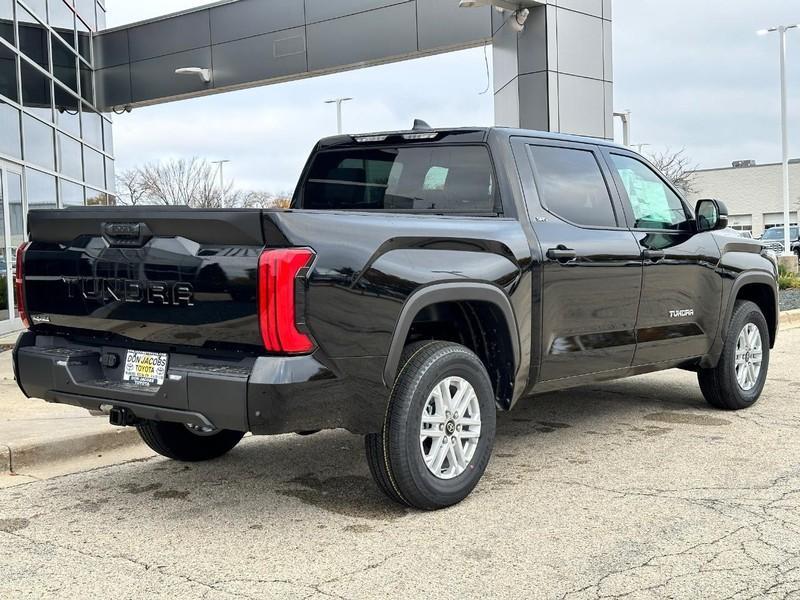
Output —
(265, 395)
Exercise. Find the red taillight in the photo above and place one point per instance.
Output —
(279, 275)
(19, 284)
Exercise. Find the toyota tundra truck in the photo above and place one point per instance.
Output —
(420, 281)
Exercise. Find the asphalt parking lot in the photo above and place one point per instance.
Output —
(633, 489)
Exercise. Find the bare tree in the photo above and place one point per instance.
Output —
(677, 167)
(267, 200)
(130, 188)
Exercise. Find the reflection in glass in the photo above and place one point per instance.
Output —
(39, 142)
(84, 41)
(86, 12)
(87, 84)
(71, 194)
(38, 7)
(10, 142)
(101, 18)
(111, 183)
(41, 190)
(7, 20)
(70, 152)
(36, 95)
(8, 73)
(98, 198)
(108, 136)
(68, 115)
(62, 19)
(92, 127)
(4, 274)
(94, 167)
(65, 64)
(33, 38)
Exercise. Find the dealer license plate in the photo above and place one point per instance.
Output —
(145, 368)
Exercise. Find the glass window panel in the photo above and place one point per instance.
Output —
(68, 115)
(108, 136)
(41, 189)
(86, 11)
(110, 178)
(572, 186)
(101, 19)
(98, 198)
(71, 194)
(62, 19)
(65, 64)
(39, 8)
(8, 73)
(70, 153)
(94, 167)
(84, 40)
(4, 274)
(16, 216)
(39, 142)
(33, 38)
(10, 140)
(87, 84)
(92, 127)
(655, 205)
(36, 94)
(7, 20)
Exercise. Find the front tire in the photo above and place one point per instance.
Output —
(738, 379)
(179, 442)
(439, 428)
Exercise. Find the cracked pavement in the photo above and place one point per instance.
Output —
(632, 489)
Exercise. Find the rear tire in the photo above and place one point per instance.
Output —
(429, 456)
(728, 386)
(178, 442)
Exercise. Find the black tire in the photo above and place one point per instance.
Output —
(719, 385)
(395, 457)
(178, 442)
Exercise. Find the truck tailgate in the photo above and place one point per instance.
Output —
(159, 275)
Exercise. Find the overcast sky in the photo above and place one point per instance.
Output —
(694, 74)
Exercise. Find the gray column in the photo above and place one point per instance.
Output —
(556, 75)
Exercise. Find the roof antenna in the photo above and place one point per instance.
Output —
(420, 124)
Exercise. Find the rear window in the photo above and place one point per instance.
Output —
(423, 178)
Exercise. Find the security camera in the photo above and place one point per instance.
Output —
(518, 7)
(204, 74)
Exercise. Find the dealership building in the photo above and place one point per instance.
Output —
(753, 193)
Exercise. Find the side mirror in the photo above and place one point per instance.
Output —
(711, 215)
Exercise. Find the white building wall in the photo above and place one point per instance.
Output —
(750, 193)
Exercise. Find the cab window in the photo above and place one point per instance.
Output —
(654, 204)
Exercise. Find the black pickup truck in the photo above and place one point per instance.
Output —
(420, 281)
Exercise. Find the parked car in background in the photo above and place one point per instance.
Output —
(773, 240)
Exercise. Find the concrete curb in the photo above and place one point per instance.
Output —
(790, 319)
(18, 458)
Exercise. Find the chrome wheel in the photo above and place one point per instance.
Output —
(749, 353)
(451, 427)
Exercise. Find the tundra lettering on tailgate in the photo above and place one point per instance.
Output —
(106, 291)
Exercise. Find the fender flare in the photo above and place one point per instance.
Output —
(447, 292)
(755, 277)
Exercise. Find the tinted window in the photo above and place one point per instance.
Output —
(7, 20)
(94, 167)
(68, 111)
(39, 142)
(33, 38)
(442, 179)
(9, 124)
(41, 190)
(36, 95)
(65, 64)
(776, 233)
(62, 19)
(572, 186)
(70, 152)
(71, 194)
(8, 73)
(655, 205)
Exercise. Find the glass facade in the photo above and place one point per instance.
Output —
(50, 126)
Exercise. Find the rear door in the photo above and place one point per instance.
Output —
(592, 266)
(681, 289)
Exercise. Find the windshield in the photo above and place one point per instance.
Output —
(776, 233)
(417, 178)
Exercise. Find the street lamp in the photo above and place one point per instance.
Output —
(338, 102)
(221, 163)
(782, 29)
(625, 117)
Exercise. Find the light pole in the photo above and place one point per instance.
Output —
(625, 117)
(782, 29)
(221, 163)
(338, 102)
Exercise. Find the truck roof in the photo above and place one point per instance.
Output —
(450, 134)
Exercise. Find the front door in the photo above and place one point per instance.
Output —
(12, 234)
(591, 268)
(681, 289)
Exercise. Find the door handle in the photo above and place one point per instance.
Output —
(654, 255)
(562, 254)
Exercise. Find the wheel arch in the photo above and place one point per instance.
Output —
(478, 304)
(761, 289)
